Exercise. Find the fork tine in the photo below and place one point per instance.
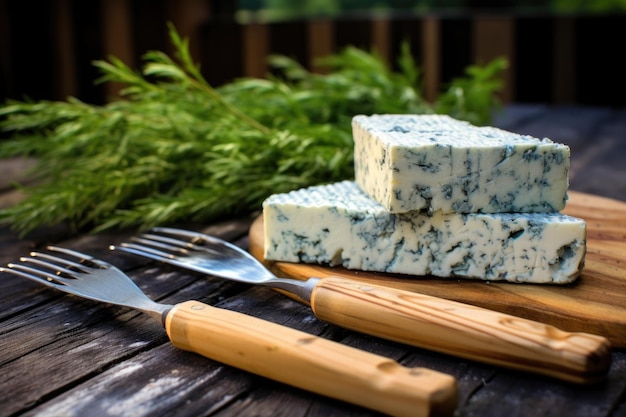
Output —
(164, 243)
(42, 277)
(197, 241)
(175, 245)
(54, 269)
(152, 244)
(45, 278)
(81, 256)
(55, 262)
(134, 247)
(180, 232)
(196, 238)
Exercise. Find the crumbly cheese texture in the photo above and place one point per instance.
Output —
(338, 224)
(435, 162)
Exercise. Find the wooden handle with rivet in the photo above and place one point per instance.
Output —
(310, 362)
(462, 330)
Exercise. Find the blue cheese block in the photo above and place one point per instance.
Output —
(435, 162)
(338, 224)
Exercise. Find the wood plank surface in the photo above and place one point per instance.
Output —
(63, 356)
(595, 303)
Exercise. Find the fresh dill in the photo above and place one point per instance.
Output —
(174, 148)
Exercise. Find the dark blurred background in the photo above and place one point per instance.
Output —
(559, 51)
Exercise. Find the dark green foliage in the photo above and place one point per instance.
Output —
(176, 149)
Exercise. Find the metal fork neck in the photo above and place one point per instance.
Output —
(302, 290)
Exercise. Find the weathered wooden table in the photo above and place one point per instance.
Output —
(62, 356)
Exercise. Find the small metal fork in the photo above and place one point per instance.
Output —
(252, 344)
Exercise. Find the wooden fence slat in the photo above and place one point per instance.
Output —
(321, 38)
(65, 73)
(431, 57)
(563, 70)
(117, 37)
(493, 37)
(255, 49)
(381, 38)
(6, 69)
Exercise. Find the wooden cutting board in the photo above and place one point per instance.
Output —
(595, 303)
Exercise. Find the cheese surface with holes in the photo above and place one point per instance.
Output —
(338, 224)
(435, 162)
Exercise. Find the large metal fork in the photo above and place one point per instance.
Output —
(267, 349)
(403, 316)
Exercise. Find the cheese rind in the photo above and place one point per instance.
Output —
(435, 162)
(338, 224)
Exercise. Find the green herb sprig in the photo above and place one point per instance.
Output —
(174, 148)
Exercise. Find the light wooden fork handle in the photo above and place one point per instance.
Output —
(310, 362)
(462, 330)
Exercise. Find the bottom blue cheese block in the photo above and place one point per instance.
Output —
(338, 224)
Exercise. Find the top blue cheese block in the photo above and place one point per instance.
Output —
(437, 163)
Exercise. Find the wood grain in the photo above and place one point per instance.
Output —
(462, 330)
(310, 362)
(595, 303)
